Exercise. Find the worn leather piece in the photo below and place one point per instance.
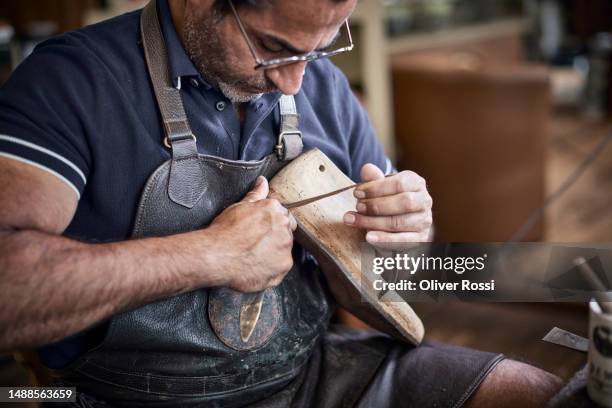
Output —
(187, 183)
(159, 216)
(227, 324)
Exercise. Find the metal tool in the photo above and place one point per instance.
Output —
(249, 314)
(596, 284)
(314, 199)
(567, 339)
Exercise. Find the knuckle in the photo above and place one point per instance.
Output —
(401, 182)
(292, 221)
(428, 201)
(278, 206)
(244, 285)
(283, 220)
(420, 180)
(260, 207)
(407, 201)
(426, 223)
(287, 265)
(287, 244)
(272, 203)
(276, 281)
(373, 208)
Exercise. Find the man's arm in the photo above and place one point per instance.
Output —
(53, 286)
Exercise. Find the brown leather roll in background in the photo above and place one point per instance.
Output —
(477, 133)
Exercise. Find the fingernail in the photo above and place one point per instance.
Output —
(372, 237)
(258, 181)
(359, 194)
(349, 218)
(361, 207)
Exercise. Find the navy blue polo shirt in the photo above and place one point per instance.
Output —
(82, 108)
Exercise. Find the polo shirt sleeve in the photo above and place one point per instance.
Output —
(44, 111)
(363, 146)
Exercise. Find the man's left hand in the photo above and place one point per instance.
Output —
(395, 209)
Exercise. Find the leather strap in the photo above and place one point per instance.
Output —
(289, 145)
(186, 184)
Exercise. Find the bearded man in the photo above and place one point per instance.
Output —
(134, 218)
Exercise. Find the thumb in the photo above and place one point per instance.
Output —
(260, 192)
(370, 172)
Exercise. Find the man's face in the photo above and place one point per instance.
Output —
(276, 29)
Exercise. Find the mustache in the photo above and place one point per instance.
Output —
(266, 86)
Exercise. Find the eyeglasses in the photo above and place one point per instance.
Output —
(279, 62)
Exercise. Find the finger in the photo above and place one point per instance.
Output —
(397, 240)
(405, 181)
(397, 204)
(413, 222)
(370, 172)
(292, 222)
(259, 192)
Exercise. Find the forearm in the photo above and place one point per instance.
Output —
(54, 286)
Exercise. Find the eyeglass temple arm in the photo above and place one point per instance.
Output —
(244, 33)
(348, 32)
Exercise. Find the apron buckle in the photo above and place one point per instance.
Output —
(295, 144)
(169, 146)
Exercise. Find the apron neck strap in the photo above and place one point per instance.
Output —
(176, 125)
(186, 183)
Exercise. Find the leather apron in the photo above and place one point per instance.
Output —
(186, 350)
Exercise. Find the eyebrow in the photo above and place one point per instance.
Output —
(287, 46)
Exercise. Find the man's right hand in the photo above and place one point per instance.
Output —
(59, 286)
(252, 241)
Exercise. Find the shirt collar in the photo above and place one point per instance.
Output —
(179, 63)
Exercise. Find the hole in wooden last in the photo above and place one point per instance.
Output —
(321, 168)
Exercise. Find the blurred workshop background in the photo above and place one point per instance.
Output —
(504, 106)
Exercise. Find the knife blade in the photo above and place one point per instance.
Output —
(314, 199)
(249, 314)
(567, 339)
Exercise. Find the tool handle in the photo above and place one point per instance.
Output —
(596, 284)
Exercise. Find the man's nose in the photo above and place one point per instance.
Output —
(288, 78)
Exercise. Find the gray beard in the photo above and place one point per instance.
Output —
(235, 95)
(201, 42)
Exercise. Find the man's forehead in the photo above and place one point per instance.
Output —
(302, 15)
